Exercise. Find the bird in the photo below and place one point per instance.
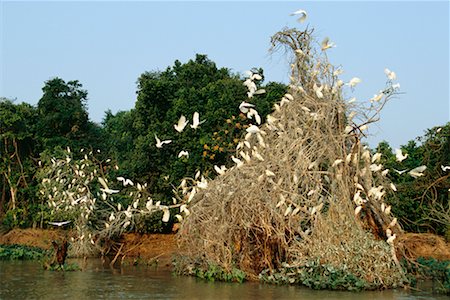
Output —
(302, 13)
(244, 107)
(399, 155)
(183, 153)
(417, 172)
(354, 81)
(125, 181)
(160, 143)
(445, 168)
(196, 120)
(105, 188)
(252, 129)
(326, 44)
(182, 122)
(400, 172)
(220, 170)
(59, 224)
(390, 74)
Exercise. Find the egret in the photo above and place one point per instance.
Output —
(390, 75)
(183, 153)
(393, 187)
(326, 44)
(385, 172)
(301, 13)
(252, 129)
(358, 209)
(375, 167)
(399, 155)
(182, 122)
(318, 91)
(244, 107)
(59, 224)
(354, 81)
(391, 239)
(270, 173)
(400, 172)
(393, 222)
(220, 170)
(445, 168)
(417, 172)
(160, 143)
(376, 157)
(105, 188)
(125, 181)
(196, 120)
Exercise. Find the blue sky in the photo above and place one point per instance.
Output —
(106, 45)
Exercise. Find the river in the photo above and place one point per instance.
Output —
(27, 280)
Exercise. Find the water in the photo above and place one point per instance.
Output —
(27, 280)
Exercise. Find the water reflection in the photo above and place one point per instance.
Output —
(27, 280)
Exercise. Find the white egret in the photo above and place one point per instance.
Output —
(270, 173)
(326, 44)
(393, 187)
(390, 74)
(183, 153)
(244, 107)
(166, 215)
(400, 172)
(196, 120)
(354, 81)
(385, 172)
(59, 224)
(105, 188)
(301, 13)
(376, 157)
(358, 209)
(220, 170)
(391, 239)
(445, 168)
(375, 167)
(182, 122)
(160, 143)
(400, 156)
(252, 129)
(417, 172)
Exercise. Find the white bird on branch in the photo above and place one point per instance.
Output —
(244, 107)
(182, 122)
(106, 189)
(183, 153)
(160, 143)
(445, 168)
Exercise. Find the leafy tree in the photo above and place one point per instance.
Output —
(16, 152)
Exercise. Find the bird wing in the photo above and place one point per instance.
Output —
(195, 118)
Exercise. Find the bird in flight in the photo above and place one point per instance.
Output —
(399, 155)
(160, 143)
(59, 224)
(196, 120)
(182, 122)
(417, 172)
(301, 13)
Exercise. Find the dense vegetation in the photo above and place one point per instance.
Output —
(30, 134)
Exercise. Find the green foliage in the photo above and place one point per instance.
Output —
(421, 204)
(316, 276)
(430, 268)
(214, 272)
(21, 252)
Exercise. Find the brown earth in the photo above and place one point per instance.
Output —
(159, 248)
(148, 248)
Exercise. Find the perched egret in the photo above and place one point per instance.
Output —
(220, 170)
(399, 155)
(244, 107)
(105, 188)
(252, 129)
(358, 209)
(196, 120)
(391, 239)
(417, 172)
(376, 157)
(301, 13)
(182, 122)
(59, 224)
(160, 143)
(390, 75)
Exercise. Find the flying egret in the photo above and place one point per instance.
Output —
(196, 120)
(417, 172)
(160, 143)
(301, 13)
(399, 155)
(59, 224)
(105, 188)
(354, 81)
(400, 172)
(445, 168)
(183, 153)
(326, 44)
(244, 107)
(182, 122)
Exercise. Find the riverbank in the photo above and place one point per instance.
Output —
(139, 248)
(160, 248)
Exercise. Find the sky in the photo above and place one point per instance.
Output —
(106, 45)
